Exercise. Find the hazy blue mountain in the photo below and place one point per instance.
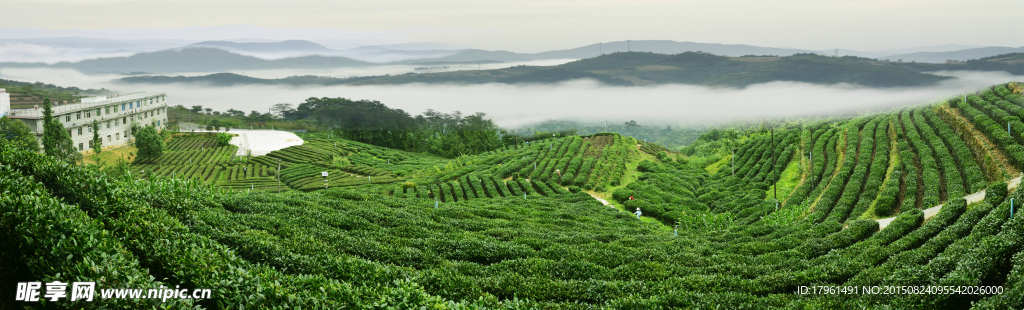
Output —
(594, 50)
(196, 60)
(629, 69)
(302, 46)
(897, 51)
(297, 48)
(961, 55)
(668, 47)
(219, 56)
(1012, 63)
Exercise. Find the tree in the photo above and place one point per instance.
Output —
(282, 109)
(56, 140)
(97, 143)
(223, 139)
(149, 142)
(17, 133)
(197, 108)
(209, 110)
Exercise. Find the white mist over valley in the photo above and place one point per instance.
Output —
(518, 105)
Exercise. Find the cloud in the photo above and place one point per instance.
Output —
(30, 53)
(517, 105)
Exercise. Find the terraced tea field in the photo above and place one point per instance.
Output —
(518, 228)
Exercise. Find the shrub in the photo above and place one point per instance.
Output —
(884, 206)
(622, 194)
(223, 139)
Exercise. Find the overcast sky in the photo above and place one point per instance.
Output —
(532, 25)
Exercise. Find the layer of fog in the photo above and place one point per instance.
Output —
(584, 100)
(36, 53)
(381, 56)
(341, 72)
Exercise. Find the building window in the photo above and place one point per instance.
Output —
(131, 105)
(79, 131)
(118, 135)
(107, 110)
(78, 115)
(108, 124)
(98, 112)
(68, 118)
(90, 129)
(88, 114)
(108, 138)
(122, 107)
(126, 134)
(90, 144)
(80, 148)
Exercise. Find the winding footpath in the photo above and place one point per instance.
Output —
(972, 198)
(602, 201)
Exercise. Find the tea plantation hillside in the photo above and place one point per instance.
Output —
(519, 227)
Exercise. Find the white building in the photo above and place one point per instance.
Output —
(115, 115)
(5, 102)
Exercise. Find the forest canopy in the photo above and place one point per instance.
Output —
(445, 134)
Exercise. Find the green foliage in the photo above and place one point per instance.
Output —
(97, 142)
(149, 143)
(17, 133)
(57, 140)
(223, 139)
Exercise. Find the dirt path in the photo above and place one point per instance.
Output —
(602, 201)
(972, 198)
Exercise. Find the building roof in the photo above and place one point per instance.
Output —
(71, 108)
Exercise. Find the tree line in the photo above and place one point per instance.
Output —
(369, 121)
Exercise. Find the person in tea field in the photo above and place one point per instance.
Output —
(638, 213)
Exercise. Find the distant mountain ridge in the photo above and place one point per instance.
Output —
(960, 55)
(630, 69)
(267, 47)
(195, 60)
(216, 56)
